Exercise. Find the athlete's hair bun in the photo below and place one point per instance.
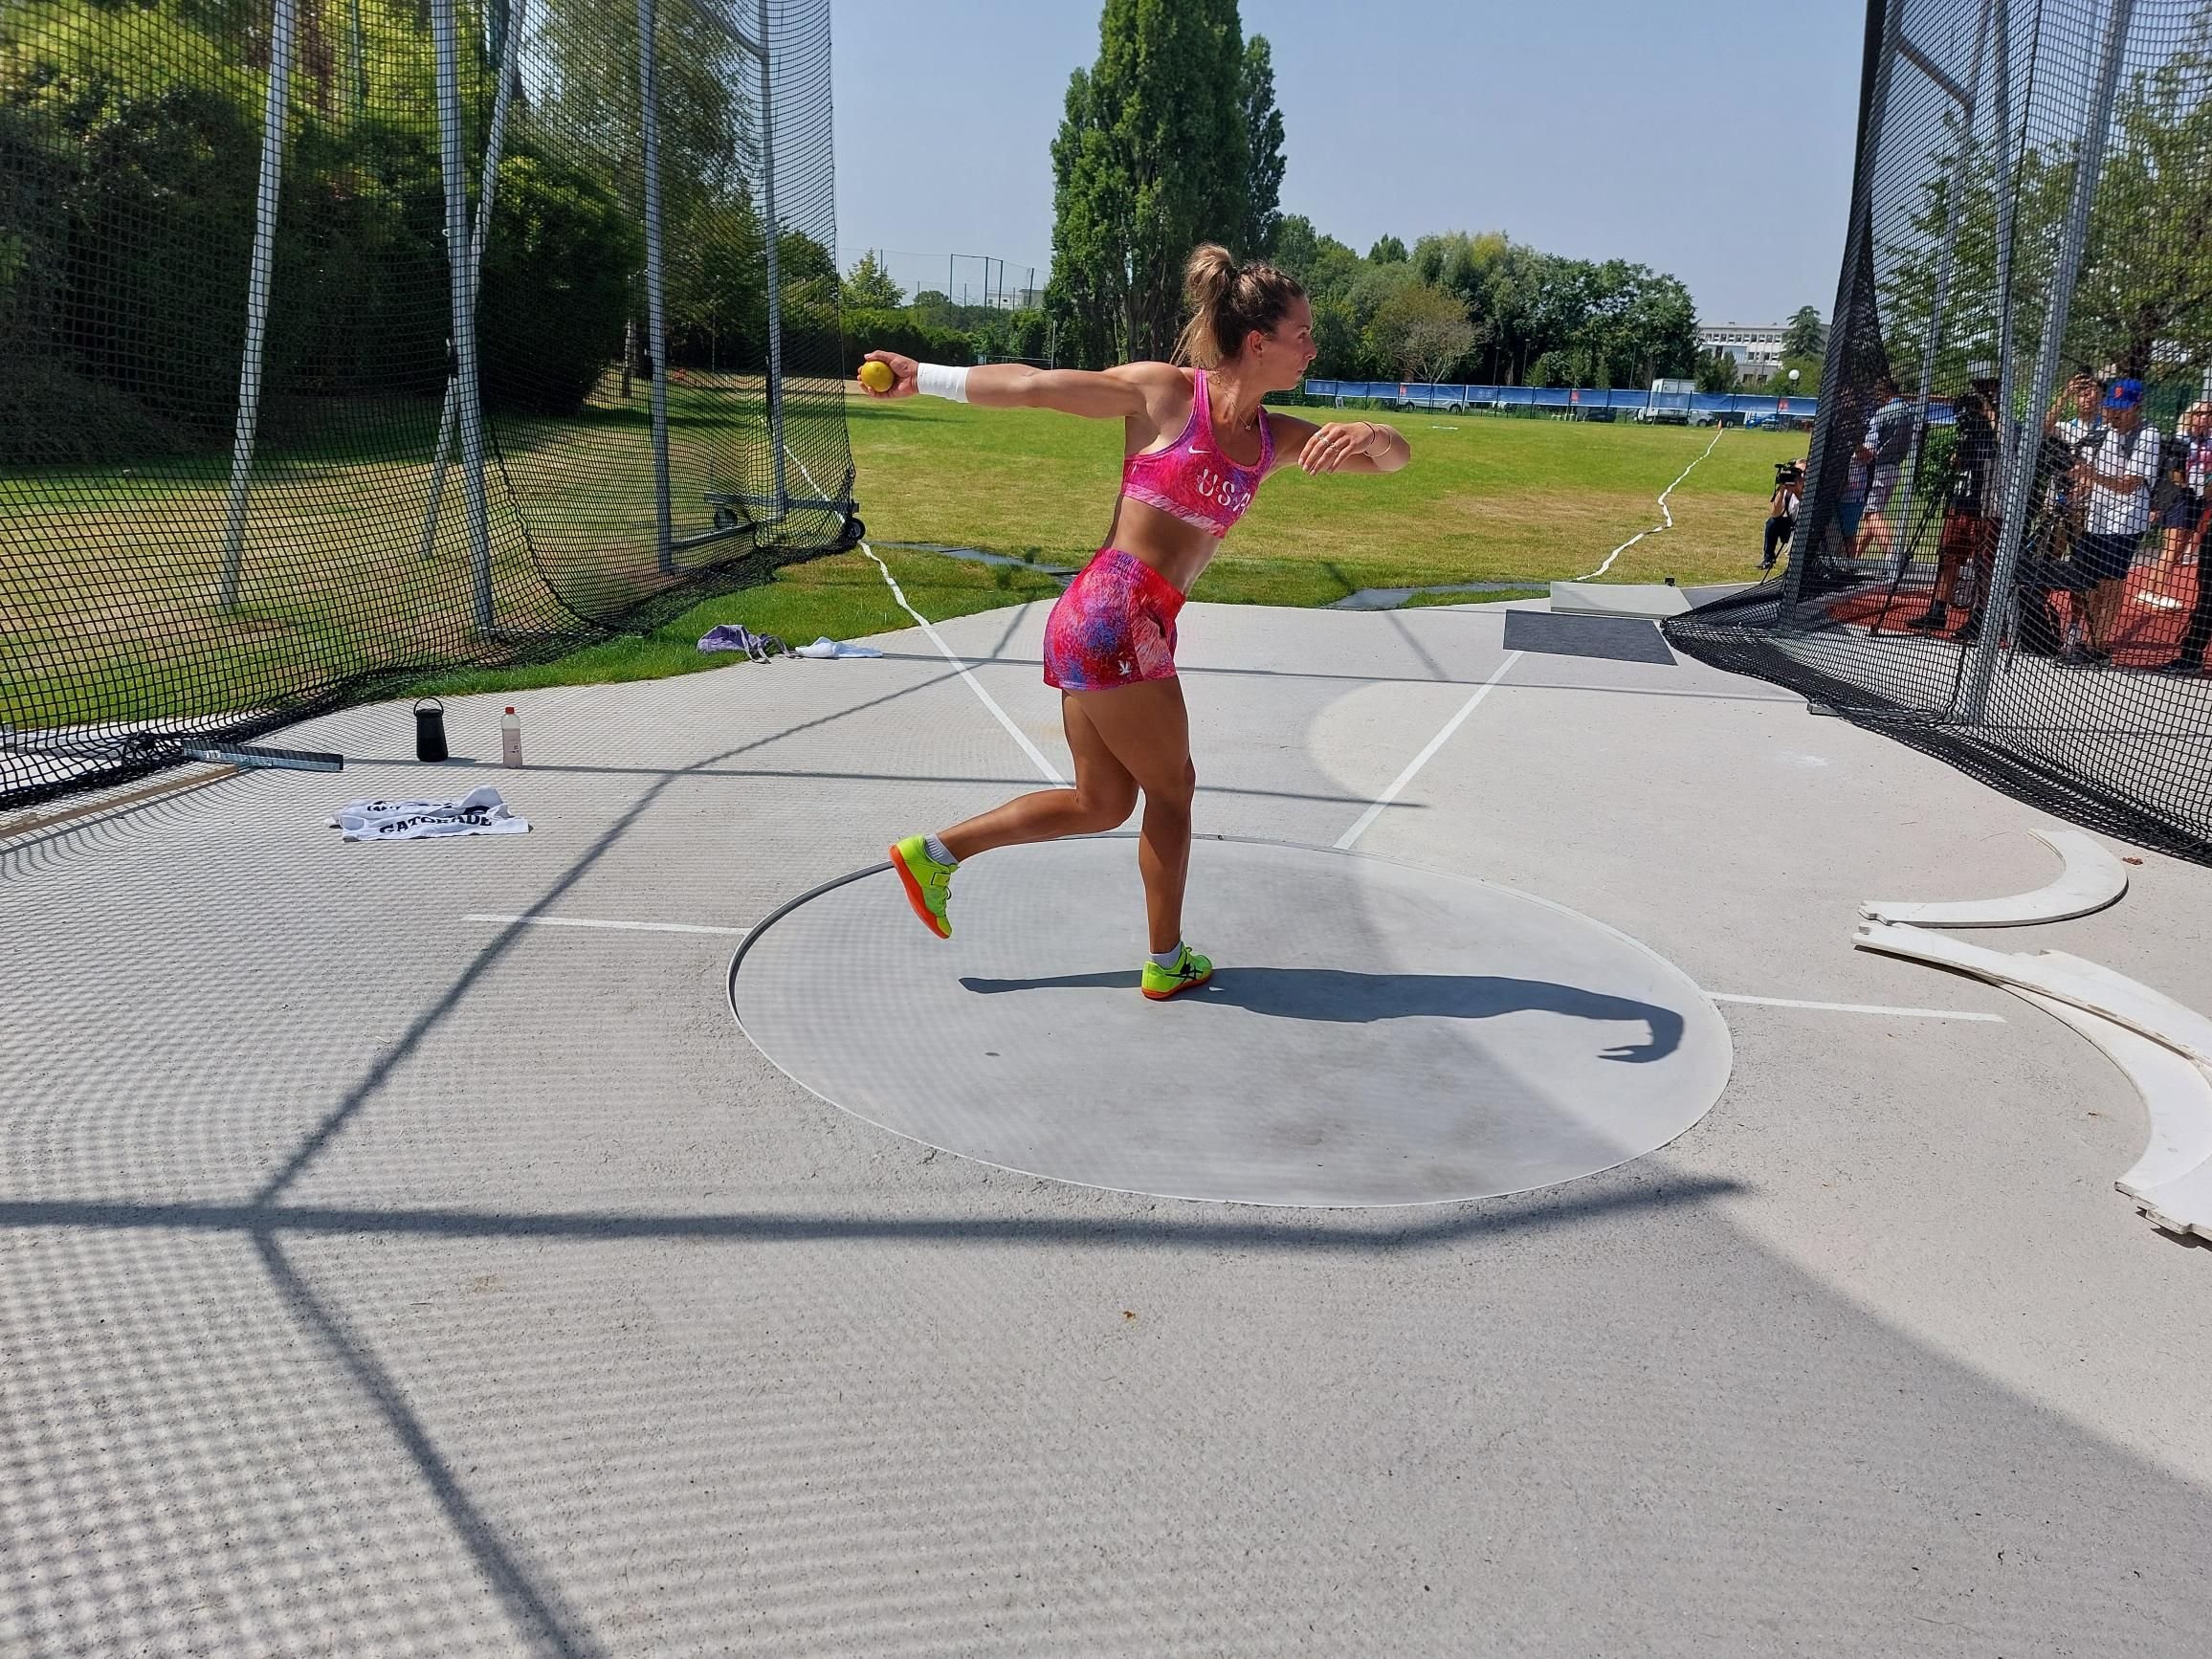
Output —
(1228, 301)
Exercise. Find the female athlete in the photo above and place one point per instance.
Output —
(1196, 446)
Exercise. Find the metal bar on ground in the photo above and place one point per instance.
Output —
(655, 287)
(243, 755)
(274, 121)
(1999, 608)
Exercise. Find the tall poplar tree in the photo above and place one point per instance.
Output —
(1263, 151)
(1151, 160)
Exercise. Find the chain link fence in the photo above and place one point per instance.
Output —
(346, 340)
(2000, 558)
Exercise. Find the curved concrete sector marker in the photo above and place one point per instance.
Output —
(2055, 973)
(2178, 1100)
(1374, 1033)
(2092, 881)
(2164, 1048)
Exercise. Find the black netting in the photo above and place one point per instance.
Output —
(1997, 559)
(242, 471)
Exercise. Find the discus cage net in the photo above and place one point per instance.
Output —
(1993, 563)
(342, 341)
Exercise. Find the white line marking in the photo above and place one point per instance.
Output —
(1422, 759)
(1860, 1009)
(1035, 754)
(1664, 513)
(587, 922)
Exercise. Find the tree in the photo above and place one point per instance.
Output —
(1150, 160)
(1388, 251)
(1716, 371)
(1296, 246)
(1263, 125)
(1807, 382)
(2143, 294)
(868, 287)
(1807, 336)
(1422, 331)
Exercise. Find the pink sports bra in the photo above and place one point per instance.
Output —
(1191, 478)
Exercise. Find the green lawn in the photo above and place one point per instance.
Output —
(1485, 500)
(108, 611)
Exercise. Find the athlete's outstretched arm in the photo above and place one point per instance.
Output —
(1114, 393)
(1340, 445)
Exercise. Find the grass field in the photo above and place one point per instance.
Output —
(121, 563)
(1486, 498)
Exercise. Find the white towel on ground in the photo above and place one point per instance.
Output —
(478, 812)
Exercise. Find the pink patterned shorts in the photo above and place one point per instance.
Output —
(1114, 626)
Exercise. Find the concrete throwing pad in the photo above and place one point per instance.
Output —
(1612, 638)
(1374, 1033)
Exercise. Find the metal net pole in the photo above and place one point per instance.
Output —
(493, 147)
(1953, 211)
(263, 259)
(2000, 609)
(466, 389)
(655, 287)
(1833, 377)
(775, 268)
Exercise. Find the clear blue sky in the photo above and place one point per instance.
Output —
(1708, 138)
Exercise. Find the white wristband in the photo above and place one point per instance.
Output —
(936, 380)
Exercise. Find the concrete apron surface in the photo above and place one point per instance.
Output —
(382, 1273)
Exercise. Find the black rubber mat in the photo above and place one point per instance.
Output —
(1615, 638)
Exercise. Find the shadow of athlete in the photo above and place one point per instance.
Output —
(1338, 994)
(1196, 445)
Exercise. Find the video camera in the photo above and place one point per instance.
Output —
(1788, 472)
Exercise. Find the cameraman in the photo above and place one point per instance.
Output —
(1789, 486)
(1970, 521)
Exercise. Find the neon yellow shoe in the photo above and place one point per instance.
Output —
(1191, 971)
(928, 883)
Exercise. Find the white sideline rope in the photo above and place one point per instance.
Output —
(1664, 512)
(1035, 754)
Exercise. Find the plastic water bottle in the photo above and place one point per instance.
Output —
(510, 739)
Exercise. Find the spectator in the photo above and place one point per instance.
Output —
(1781, 510)
(2115, 466)
(1970, 517)
(2188, 663)
(1888, 436)
(2178, 501)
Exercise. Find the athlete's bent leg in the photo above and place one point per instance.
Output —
(1103, 798)
(1148, 731)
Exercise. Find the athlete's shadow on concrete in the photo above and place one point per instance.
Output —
(1340, 996)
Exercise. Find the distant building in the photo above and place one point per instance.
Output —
(1756, 346)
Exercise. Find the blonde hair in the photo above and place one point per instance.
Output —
(1228, 301)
